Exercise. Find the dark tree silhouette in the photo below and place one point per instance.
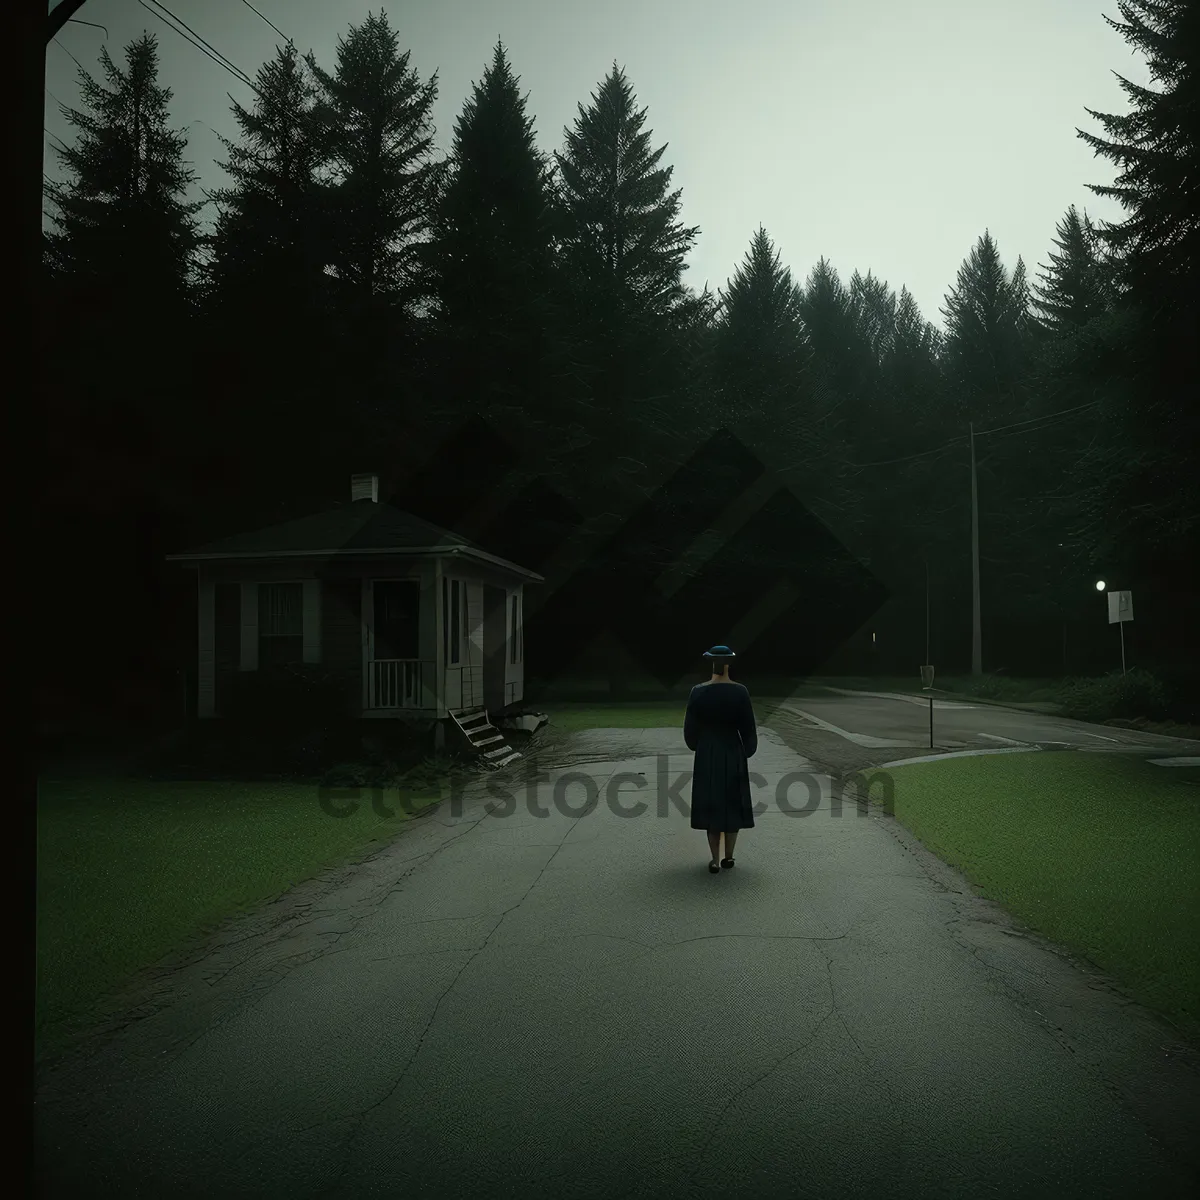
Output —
(122, 223)
(377, 139)
(1153, 498)
(493, 257)
(987, 326)
(622, 249)
(270, 246)
(1077, 285)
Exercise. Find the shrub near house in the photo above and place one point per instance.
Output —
(298, 697)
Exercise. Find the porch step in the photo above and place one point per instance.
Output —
(481, 733)
(466, 717)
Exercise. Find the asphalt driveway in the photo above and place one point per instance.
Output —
(572, 1006)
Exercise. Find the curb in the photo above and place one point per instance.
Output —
(901, 762)
(1044, 708)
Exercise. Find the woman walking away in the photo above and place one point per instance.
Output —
(719, 726)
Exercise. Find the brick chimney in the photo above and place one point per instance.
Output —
(364, 487)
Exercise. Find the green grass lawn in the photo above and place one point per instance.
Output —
(1098, 852)
(130, 871)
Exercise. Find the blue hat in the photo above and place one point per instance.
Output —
(719, 652)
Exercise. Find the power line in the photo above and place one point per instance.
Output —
(1042, 422)
(196, 40)
(212, 52)
(1033, 420)
(275, 27)
(70, 55)
(233, 67)
(919, 454)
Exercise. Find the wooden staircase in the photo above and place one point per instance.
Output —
(483, 736)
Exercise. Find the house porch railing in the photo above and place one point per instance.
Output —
(396, 683)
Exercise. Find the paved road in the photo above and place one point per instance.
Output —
(573, 1007)
(879, 721)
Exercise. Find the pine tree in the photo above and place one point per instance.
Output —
(841, 370)
(873, 307)
(1075, 287)
(1149, 503)
(987, 328)
(620, 230)
(1157, 147)
(760, 328)
(760, 357)
(916, 343)
(621, 252)
(377, 138)
(268, 252)
(903, 494)
(492, 251)
(116, 404)
(266, 292)
(123, 228)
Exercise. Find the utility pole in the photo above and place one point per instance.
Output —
(927, 610)
(976, 632)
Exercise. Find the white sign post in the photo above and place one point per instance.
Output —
(1120, 610)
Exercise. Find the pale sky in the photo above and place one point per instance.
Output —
(882, 135)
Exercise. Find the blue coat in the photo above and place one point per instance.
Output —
(719, 726)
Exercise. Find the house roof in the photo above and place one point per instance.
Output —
(359, 527)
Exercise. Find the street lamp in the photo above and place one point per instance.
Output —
(1099, 585)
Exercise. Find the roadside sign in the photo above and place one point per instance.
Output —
(927, 676)
(1120, 607)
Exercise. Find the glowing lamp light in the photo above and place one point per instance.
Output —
(1099, 585)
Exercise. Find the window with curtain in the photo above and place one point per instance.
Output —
(514, 633)
(280, 624)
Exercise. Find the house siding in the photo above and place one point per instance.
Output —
(335, 620)
(514, 672)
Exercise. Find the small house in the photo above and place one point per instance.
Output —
(419, 623)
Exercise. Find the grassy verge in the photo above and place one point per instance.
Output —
(1002, 688)
(130, 871)
(1096, 852)
(640, 714)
